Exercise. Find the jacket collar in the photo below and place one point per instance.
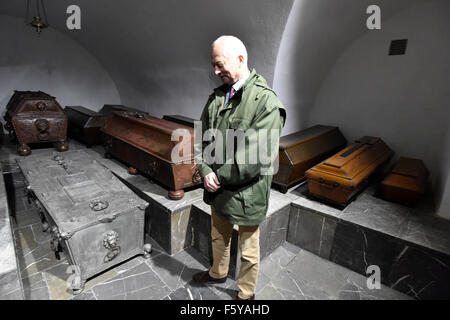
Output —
(251, 78)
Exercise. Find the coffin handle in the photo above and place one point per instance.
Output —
(328, 186)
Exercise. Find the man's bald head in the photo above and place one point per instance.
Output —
(232, 47)
(229, 59)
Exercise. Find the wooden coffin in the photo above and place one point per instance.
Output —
(144, 143)
(302, 150)
(92, 217)
(339, 178)
(406, 182)
(36, 117)
(2, 133)
(180, 119)
(108, 108)
(84, 125)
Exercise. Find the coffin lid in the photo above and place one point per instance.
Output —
(149, 134)
(17, 101)
(310, 143)
(108, 108)
(351, 163)
(84, 110)
(410, 167)
(69, 185)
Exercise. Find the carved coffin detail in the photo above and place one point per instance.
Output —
(340, 177)
(87, 209)
(36, 117)
(145, 143)
(406, 182)
(302, 150)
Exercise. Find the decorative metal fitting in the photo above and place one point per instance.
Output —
(98, 205)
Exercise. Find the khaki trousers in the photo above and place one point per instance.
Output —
(221, 232)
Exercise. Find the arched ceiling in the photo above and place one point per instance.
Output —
(316, 34)
(158, 52)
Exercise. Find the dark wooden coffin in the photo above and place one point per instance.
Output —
(84, 125)
(2, 133)
(406, 182)
(36, 117)
(180, 119)
(339, 178)
(90, 214)
(304, 149)
(145, 143)
(108, 108)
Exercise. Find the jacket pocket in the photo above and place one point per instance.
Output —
(247, 195)
(239, 123)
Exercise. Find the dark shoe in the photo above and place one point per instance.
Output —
(204, 277)
(251, 298)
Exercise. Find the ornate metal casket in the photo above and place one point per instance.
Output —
(36, 117)
(145, 143)
(92, 216)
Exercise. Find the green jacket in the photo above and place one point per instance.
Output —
(244, 194)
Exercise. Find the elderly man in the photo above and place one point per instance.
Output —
(238, 191)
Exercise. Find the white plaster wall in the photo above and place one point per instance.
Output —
(53, 63)
(316, 34)
(403, 99)
(158, 52)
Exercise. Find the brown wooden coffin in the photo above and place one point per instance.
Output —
(302, 150)
(339, 178)
(36, 117)
(84, 125)
(406, 182)
(180, 119)
(144, 143)
(108, 108)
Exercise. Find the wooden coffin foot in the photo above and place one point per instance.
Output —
(23, 150)
(176, 195)
(62, 146)
(132, 170)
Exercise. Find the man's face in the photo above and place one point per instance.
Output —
(226, 68)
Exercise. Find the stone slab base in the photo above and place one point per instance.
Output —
(409, 245)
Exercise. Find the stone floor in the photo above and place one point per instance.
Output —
(288, 273)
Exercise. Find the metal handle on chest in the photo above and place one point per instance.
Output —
(110, 242)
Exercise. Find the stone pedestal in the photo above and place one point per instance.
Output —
(273, 230)
(10, 284)
(409, 245)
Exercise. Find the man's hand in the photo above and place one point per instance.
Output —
(211, 182)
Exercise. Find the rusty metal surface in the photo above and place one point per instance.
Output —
(35, 117)
(91, 214)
